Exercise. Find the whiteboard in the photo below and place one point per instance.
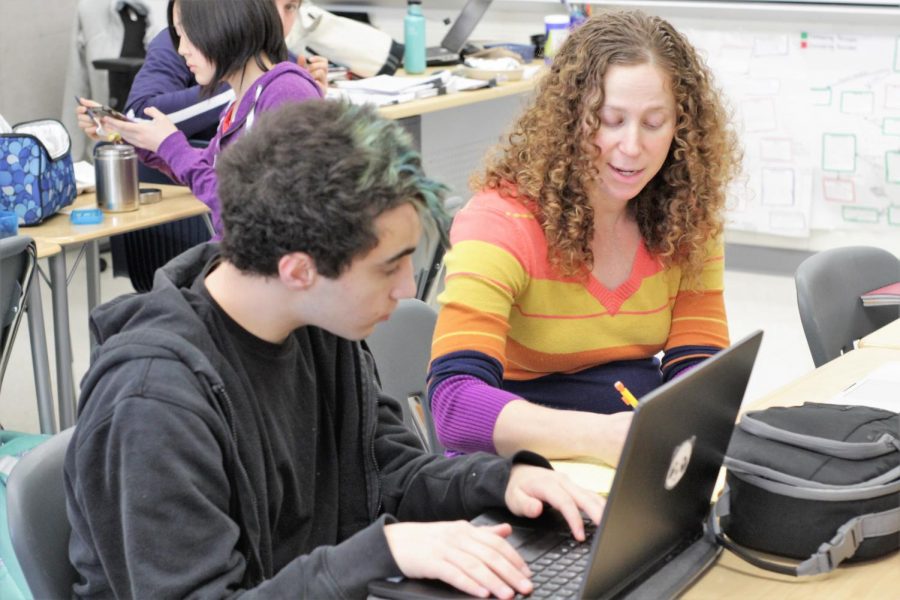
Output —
(818, 114)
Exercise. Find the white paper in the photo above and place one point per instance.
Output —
(85, 176)
(388, 84)
(879, 389)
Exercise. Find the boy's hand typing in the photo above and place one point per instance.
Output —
(476, 560)
(530, 487)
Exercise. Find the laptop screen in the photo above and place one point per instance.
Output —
(464, 25)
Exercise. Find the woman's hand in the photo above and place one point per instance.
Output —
(143, 134)
(475, 560)
(317, 67)
(86, 123)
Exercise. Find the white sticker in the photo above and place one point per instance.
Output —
(681, 458)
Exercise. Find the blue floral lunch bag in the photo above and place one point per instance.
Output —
(36, 174)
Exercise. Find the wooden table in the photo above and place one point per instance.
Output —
(731, 577)
(447, 101)
(177, 203)
(886, 337)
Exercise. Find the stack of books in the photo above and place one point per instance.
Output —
(884, 296)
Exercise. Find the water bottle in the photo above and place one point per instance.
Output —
(115, 166)
(414, 38)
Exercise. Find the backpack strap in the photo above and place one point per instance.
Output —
(827, 557)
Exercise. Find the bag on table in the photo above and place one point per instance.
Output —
(817, 482)
(36, 174)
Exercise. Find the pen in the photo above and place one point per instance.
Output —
(627, 397)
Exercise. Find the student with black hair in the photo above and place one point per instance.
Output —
(165, 82)
(239, 43)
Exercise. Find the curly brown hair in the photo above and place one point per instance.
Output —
(549, 159)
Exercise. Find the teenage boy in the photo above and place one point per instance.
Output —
(231, 435)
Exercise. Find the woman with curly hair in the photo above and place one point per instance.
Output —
(594, 244)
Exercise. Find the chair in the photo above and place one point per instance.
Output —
(20, 291)
(402, 349)
(38, 526)
(123, 69)
(829, 285)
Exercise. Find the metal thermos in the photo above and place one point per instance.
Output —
(115, 166)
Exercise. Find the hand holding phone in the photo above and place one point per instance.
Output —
(99, 111)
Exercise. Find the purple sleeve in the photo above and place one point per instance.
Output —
(165, 82)
(195, 168)
(465, 410)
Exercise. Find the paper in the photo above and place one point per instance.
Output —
(85, 177)
(879, 389)
(590, 473)
(388, 84)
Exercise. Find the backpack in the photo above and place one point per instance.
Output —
(817, 482)
(13, 446)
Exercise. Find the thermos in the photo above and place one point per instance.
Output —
(414, 38)
(115, 167)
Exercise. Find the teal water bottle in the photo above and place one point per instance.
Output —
(414, 38)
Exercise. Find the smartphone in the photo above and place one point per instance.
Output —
(98, 112)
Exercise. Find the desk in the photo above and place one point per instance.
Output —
(886, 337)
(732, 577)
(447, 101)
(177, 203)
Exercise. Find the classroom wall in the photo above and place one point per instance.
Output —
(797, 191)
(34, 46)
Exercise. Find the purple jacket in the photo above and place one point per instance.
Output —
(195, 167)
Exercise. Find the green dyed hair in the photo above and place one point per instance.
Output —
(313, 177)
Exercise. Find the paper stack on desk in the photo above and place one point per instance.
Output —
(883, 296)
(383, 90)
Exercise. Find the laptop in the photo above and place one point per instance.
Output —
(651, 541)
(450, 50)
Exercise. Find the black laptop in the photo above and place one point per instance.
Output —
(651, 541)
(450, 50)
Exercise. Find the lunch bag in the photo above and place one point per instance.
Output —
(817, 482)
(36, 174)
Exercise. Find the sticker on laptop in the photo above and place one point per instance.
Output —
(681, 457)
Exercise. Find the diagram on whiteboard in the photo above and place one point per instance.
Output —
(819, 119)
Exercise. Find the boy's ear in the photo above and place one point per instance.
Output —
(297, 270)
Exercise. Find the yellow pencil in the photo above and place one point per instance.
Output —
(627, 397)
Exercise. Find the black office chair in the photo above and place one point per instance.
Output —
(123, 68)
(402, 349)
(20, 291)
(36, 513)
(829, 285)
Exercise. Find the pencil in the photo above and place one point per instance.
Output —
(627, 397)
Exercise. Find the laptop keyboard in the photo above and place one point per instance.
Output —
(558, 573)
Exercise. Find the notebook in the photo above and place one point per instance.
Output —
(449, 52)
(650, 542)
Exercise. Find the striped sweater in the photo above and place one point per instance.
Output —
(511, 327)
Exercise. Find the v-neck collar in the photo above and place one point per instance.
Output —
(643, 265)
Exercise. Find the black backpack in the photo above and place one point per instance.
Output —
(817, 482)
